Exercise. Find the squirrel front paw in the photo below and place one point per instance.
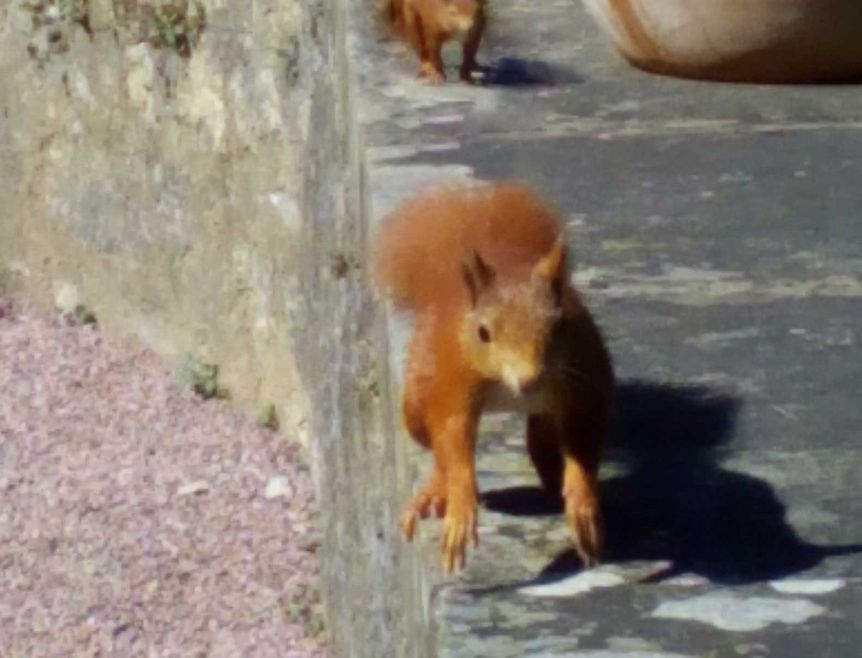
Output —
(431, 501)
(460, 526)
(460, 520)
(585, 521)
(429, 72)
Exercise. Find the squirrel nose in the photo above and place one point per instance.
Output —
(528, 384)
(520, 381)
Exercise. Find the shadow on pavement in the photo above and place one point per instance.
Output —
(513, 72)
(675, 501)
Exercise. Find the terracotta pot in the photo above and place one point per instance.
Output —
(742, 40)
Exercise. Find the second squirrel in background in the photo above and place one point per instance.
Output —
(428, 24)
(497, 326)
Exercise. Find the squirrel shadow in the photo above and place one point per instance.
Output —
(515, 72)
(675, 502)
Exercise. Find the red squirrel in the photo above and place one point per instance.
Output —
(428, 24)
(497, 325)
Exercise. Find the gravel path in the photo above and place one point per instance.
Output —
(134, 517)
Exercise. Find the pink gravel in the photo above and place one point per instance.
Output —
(133, 515)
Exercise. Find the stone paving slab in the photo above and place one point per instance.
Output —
(716, 234)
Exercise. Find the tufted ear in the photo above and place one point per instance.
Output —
(478, 275)
(552, 267)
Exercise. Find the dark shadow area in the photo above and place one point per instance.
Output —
(522, 501)
(513, 72)
(675, 501)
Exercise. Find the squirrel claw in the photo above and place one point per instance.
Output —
(408, 524)
(430, 73)
(457, 532)
(427, 503)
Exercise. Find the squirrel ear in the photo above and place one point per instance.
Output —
(552, 266)
(478, 275)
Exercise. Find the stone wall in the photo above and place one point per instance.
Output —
(193, 174)
(155, 177)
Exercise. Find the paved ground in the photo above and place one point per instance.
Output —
(717, 236)
(137, 519)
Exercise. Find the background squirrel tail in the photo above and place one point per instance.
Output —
(422, 244)
(389, 14)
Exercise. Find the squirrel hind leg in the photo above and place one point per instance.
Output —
(543, 446)
(570, 478)
(583, 511)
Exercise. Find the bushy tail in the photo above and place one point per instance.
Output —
(422, 244)
(389, 14)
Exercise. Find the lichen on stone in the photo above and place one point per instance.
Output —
(170, 24)
(177, 24)
(50, 12)
(5, 279)
(201, 377)
(50, 21)
(82, 314)
(268, 417)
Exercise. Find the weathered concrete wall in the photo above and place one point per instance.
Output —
(373, 586)
(157, 181)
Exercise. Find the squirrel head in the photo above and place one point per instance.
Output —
(510, 324)
(460, 15)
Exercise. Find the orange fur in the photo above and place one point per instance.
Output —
(428, 24)
(497, 324)
(421, 245)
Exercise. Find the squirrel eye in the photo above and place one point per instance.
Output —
(484, 334)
